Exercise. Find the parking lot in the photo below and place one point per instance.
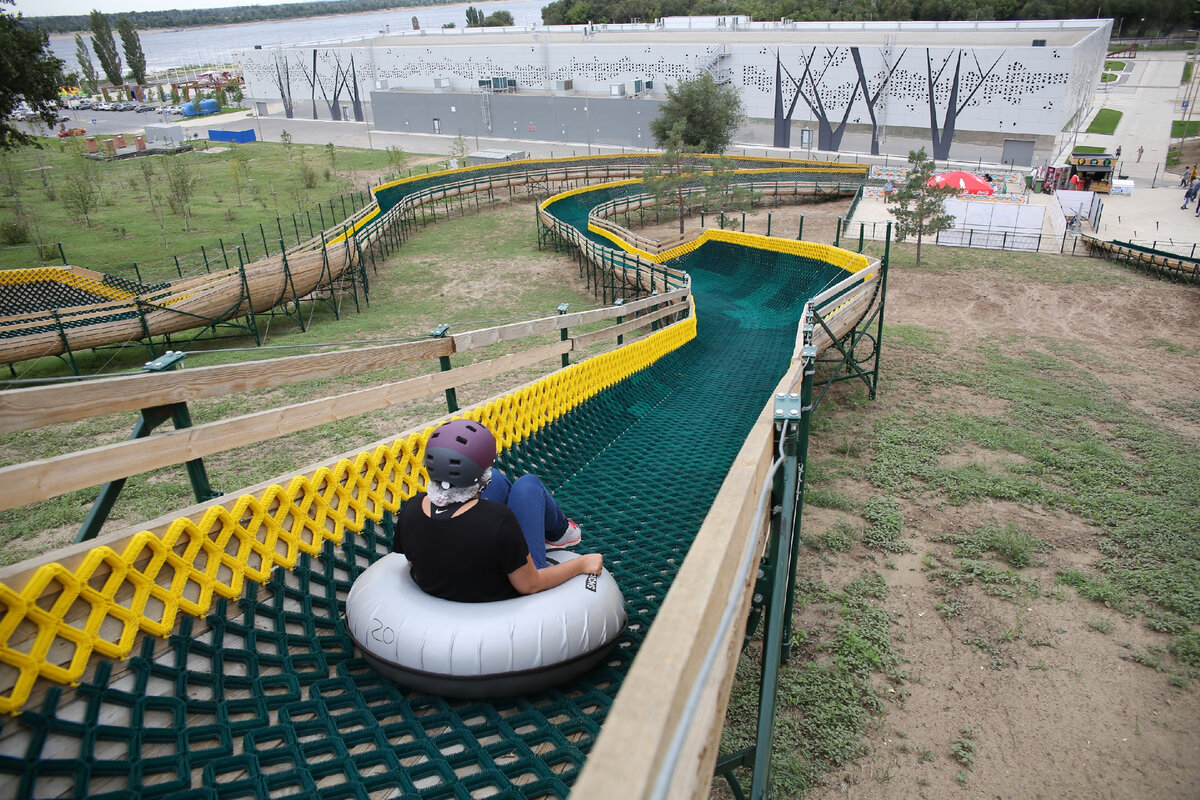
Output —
(108, 122)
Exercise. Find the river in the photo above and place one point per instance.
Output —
(214, 45)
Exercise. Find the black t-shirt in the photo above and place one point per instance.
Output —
(465, 558)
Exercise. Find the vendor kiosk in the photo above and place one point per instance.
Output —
(1095, 170)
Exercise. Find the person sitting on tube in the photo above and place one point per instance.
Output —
(475, 536)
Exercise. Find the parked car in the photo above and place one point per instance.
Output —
(103, 106)
(71, 132)
(173, 109)
(142, 108)
(124, 106)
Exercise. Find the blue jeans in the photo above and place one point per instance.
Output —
(535, 508)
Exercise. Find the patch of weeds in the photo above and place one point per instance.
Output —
(951, 608)
(1100, 623)
(1011, 545)
(1186, 649)
(1175, 348)
(1151, 657)
(827, 699)
(962, 778)
(989, 647)
(885, 525)
(1003, 583)
(829, 498)
(1038, 641)
(962, 749)
(839, 538)
(925, 339)
(1041, 665)
(1098, 588)
(925, 755)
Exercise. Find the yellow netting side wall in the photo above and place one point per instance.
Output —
(143, 588)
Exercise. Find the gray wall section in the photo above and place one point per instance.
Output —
(600, 120)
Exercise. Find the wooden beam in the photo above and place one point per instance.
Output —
(635, 741)
(22, 409)
(37, 480)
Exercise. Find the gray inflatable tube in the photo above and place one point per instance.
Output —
(482, 650)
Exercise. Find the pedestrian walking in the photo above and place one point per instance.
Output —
(1193, 187)
(1186, 177)
(1118, 151)
(1140, 151)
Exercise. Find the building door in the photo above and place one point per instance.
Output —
(1018, 153)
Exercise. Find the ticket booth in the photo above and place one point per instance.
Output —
(1095, 171)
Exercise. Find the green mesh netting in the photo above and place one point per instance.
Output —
(268, 698)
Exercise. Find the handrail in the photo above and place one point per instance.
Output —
(33, 481)
(34, 407)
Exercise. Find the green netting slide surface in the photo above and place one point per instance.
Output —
(268, 698)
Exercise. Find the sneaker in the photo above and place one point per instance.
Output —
(570, 537)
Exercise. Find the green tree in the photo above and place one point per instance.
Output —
(84, 56)
(80, 190)
(182, 180)
(397, 159)
(29, 72)
(459, 149)
(919, 208)
(105, 47)
(671, 178)
(131, 43)
(701, 114)
(499, 19)
(474, 17)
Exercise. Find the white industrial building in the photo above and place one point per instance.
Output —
(1014, 85)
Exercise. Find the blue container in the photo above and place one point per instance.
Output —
(208, 106)
(189, 110)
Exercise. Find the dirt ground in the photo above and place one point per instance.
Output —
(1071, 718)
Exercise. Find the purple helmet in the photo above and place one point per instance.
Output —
(459, 452)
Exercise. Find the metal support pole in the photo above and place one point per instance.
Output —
(451, 397)
(620, 302)
(566, 357)
(150, 419)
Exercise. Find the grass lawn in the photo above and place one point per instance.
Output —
(1105, 121)
(1108, 77)
(288, 190)
(1187, 73)
(1087, 148)
(1114, 66)
(1178, 131)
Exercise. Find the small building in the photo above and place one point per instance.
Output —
(1095, 170)
(495, 156)
(165, 134)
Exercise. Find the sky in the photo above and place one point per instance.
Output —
(52, 8)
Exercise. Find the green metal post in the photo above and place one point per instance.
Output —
(809, 355)
(61, 254)
(768, 223)
(883, 266)
(451, 398)
(264, 239)
(861, 235)
(837, 233)
(178, 269)
(204, 254)
(150, 419)
(566, 357)
(800, 233)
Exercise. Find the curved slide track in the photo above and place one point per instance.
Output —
(249, 684)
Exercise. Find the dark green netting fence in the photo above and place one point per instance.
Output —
(267, 696)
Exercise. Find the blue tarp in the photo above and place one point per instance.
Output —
(241, 137)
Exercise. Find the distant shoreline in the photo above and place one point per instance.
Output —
(70, 36)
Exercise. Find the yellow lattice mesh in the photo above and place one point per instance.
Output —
(144, 588)
(66, 277)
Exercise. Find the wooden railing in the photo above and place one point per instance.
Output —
(23, 409)
(661, 737)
